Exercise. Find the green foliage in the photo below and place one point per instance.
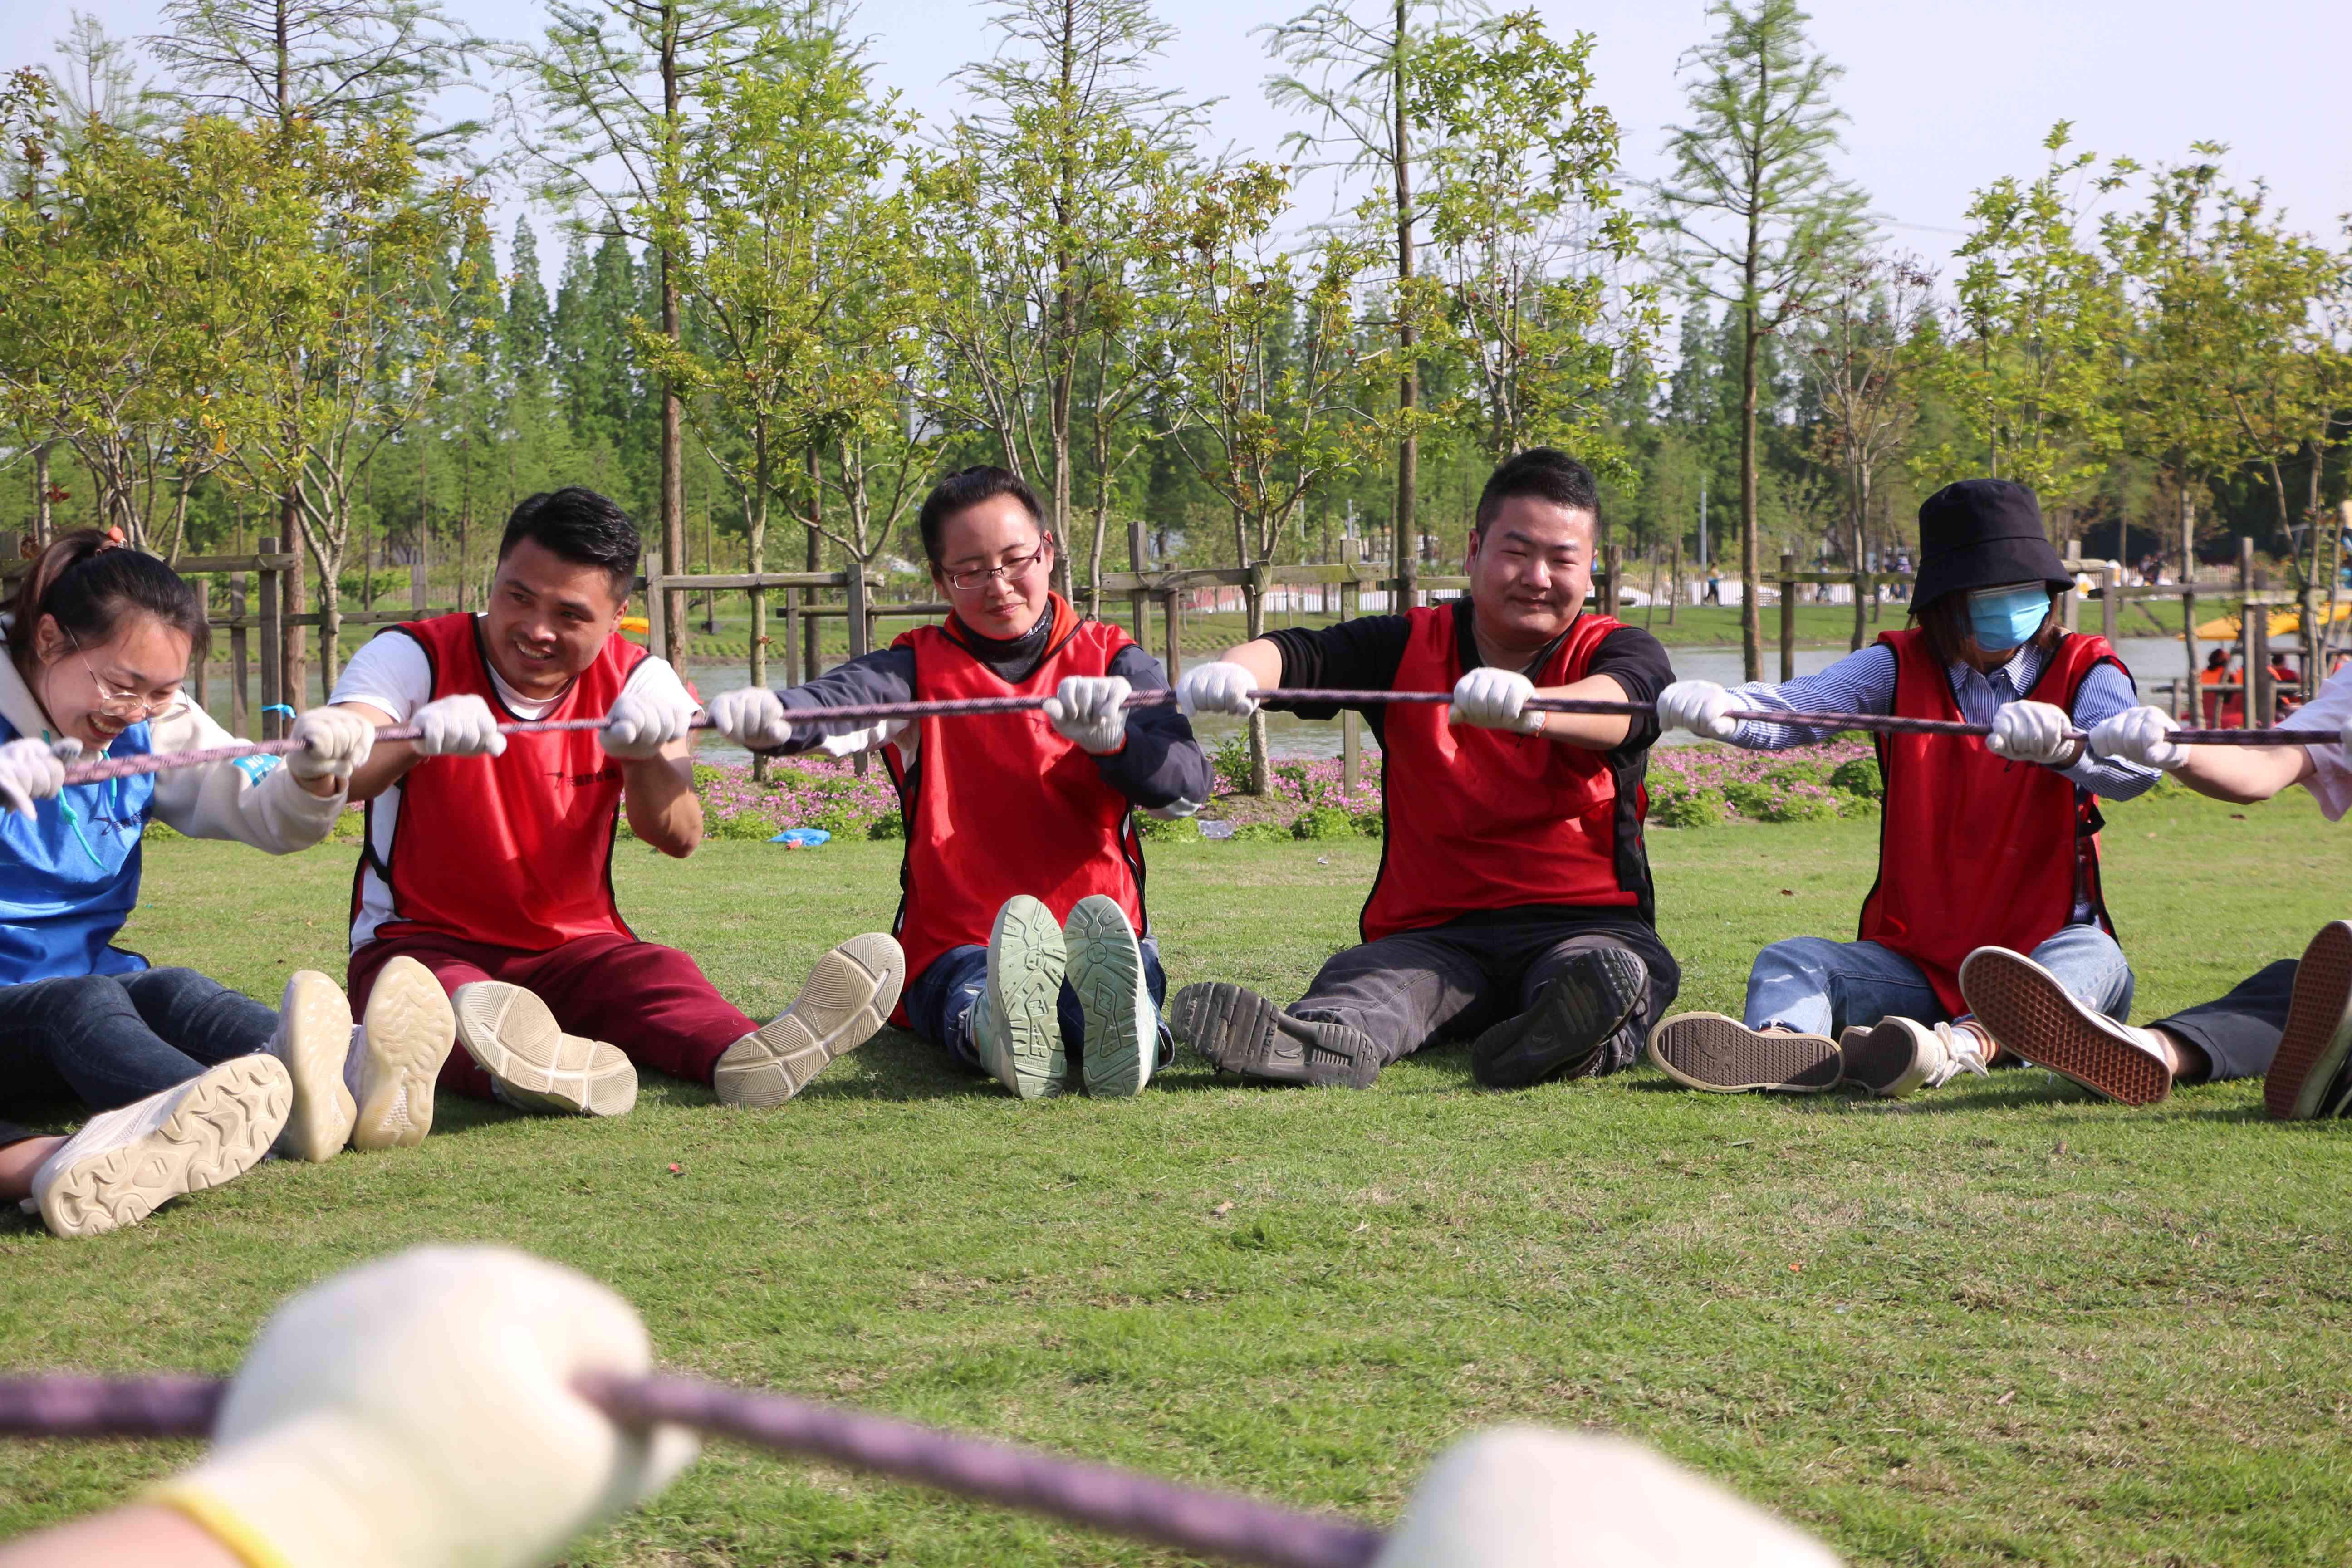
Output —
(1166, 830)
(1798, 770)
(889, 824)
(1231, 764)
(1323, 822)
(1371, 824)
(744, 826)
(1858, 776)
(1260, 832)
(1674, 806)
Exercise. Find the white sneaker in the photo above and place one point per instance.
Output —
(1105, 969)
(2029, 1012)
(844, 1003)
(1016, 1026)
(314, 1037)
(125, 1162)
(403, 1039)
(1898, 1057)
(537, 1065)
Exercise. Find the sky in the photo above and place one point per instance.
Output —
(1942, 99)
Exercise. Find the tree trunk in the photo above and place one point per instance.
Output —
(1408, 530)
(1751, 622)
(1861, 589)
(290, 655)
(812, 639)
(42, 525)
(673, 442)
(1253, 603)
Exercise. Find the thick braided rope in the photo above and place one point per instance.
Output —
(1211, 1525)
(1288, 697)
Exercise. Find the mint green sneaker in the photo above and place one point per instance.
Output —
(1017, 1026)
(1106, 971)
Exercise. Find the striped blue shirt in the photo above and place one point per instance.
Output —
(1864, 682)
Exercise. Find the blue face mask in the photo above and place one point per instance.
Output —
(2004, 617)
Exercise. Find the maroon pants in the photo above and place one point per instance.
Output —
(653, 1002)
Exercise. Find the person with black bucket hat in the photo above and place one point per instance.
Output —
(1989, 857)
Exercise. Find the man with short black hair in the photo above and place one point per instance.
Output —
(1514, 900)
(488, 857)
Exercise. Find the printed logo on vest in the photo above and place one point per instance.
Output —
(581, 780)
(256, 769)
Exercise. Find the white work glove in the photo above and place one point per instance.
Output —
(1090, 709)
(1495, 700)
(417, 1411)
(752, 718)
(33, 770)
(2141, 735)
(333, 741)
(642, 723)
(1700, 707)
(1521, 1496)
(2031, 732)
(457, 727)
(1216, 688)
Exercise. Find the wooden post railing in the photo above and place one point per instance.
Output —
(1788, 617)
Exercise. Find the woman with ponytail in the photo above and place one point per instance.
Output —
(194, 1081)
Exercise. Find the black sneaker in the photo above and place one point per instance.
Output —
(1724, 1056)
(1240, 1031)
(1582, 1010)
(2312, 1073)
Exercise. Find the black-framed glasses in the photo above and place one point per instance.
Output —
(970, 578)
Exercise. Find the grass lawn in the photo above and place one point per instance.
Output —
(1997, 1323)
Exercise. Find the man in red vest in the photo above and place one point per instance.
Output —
(1983, 843)
(1022, 917)
(1514, 900)
(490, 857)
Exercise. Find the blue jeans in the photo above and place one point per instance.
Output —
(939, 1002)
(114, 1038)
(1816, 986)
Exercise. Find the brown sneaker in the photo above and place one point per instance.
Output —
(1724, 1056)
(2304, 1076)
(2033, 1015)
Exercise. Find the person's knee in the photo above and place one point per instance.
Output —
(1803, 959)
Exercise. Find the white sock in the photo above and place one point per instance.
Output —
(352, 1059)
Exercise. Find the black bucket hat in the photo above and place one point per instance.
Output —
(1981, 534)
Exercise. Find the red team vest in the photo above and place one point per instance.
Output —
(1974, 851)
(1485, 819)
(514, 850)
(1001, 804)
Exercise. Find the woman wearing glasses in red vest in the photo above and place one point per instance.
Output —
(1029, 955)
(1985, 844)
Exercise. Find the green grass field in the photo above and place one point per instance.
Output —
(1998, 1323)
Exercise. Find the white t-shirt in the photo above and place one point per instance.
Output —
(392, 674)
(2330, 708)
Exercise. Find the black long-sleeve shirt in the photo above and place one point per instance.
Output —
(1161, 768)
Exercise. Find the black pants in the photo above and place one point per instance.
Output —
(110, 1039)
(2240, 1033)
(1417, 987)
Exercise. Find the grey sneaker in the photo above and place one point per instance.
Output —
(844, 1003)
(1105, 969)
(1724, 1056)
(1238, 1031)
(1897, 1058)
(2309, 1078)
(535, 1065)
(125, 1162)
(1016, 1024)
(314, 1035)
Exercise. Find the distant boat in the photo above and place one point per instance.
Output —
(2284, 624)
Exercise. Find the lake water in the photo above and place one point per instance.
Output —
(2152, 661)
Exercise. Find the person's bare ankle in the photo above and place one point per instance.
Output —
(2189, 1064)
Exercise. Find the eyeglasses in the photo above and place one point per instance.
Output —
(120, 702)
(1012, 571)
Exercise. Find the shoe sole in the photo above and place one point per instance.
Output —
(316, 1021)
(844, 1003)
(512, 1036)
(1105, 969)
(1232, 1028)
(1586, 1002)
(1026, 965)
(2032, 1015)
(226, 1124)
(1723, 1056)
(2318, 1033)
(408, 1028)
